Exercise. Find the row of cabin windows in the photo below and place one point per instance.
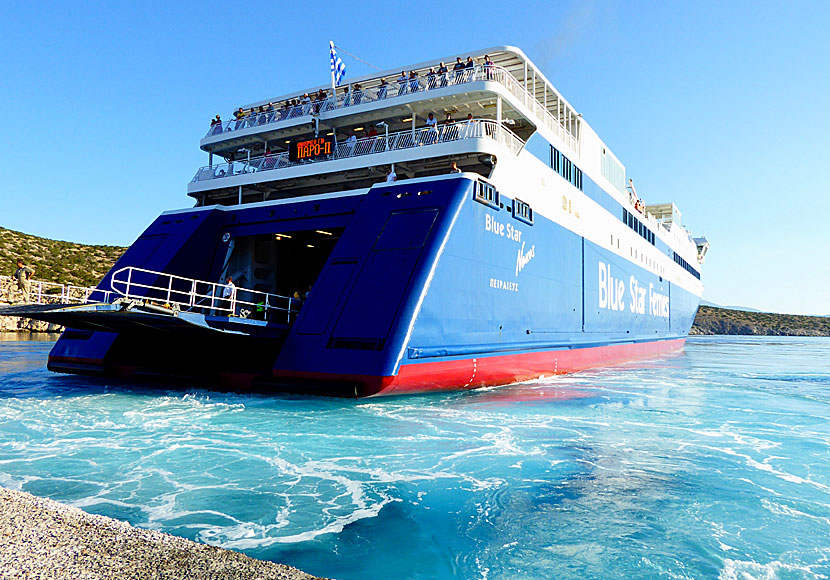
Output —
(638, 226)
(640, 256)
(685, 265)
(488, 195)
(565, 167)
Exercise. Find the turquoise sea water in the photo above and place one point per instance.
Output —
(714, 463)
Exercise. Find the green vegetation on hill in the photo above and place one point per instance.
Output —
(711, 320)
(55, 260)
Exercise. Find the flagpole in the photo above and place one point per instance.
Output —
(333, 93)
(333, 85)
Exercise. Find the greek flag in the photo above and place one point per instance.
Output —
(337, 66)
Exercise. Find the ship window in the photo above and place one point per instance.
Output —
(685, 265)
(566, 168)
(486, 194)
(638, 226)
(522, 211)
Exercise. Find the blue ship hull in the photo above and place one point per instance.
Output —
(426, 288)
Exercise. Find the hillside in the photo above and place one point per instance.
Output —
(711, 320)
(55, 260)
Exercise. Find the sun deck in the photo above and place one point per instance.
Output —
(529, 99)
(488, 108)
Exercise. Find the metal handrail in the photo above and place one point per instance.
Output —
(399, 88)
(41, 292)
(190, 294)
(475, 129)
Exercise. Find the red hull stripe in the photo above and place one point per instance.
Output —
(76, 360)
(493, 370)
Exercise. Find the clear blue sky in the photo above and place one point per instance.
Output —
(721, 107)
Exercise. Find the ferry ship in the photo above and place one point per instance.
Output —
(403, 233)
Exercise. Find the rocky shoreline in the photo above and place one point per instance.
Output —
(42, 538)
(16, 324)
(711, 320)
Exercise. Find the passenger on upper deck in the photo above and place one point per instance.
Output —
(350, 142)
(431, 78)
(216, 125)
(432, 129)
(318, 100)
(470, 63)
(488, 67)
(442, 72)
(239, 115)
(357, 93)
(268, 162)
(382, 89)
(372, 135)
(402, 84)
(413, 81)
(471, 127)
(458, 68)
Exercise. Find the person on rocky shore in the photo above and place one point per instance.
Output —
(23, 274)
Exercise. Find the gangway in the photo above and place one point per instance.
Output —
(191, 295)
(149, 300)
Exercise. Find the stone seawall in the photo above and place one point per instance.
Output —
(16, 324)
(8, 297)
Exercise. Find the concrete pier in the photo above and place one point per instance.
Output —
(41, 538)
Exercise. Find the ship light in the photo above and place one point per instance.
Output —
(281, 236)
(324, 232)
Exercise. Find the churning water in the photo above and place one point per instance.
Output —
(714, 463)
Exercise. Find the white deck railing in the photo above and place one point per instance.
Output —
(400, 88)
(475, 129)
(189, 294)
(41, 292)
